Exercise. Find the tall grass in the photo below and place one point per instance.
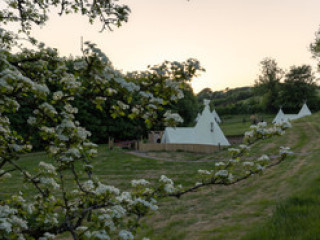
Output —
(298, 217)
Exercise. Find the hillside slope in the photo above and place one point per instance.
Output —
(283, 203)
(230, 212)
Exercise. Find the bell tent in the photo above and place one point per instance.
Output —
(304, 111)
(281, 117)
(206, 131)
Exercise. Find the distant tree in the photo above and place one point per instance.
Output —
(205, 93)
(233, 101)
(299, 85)
(187, 107)
(315, 48)
(268, 83)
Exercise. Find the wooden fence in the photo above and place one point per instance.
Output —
(148, 147)
(199, 148)
(235, 139)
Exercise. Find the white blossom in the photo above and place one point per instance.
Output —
(263, 158)
(63, 137)
(169, 188)
(107, 221)
(244, 147)
(204, 172)
(220, 164)
(49, 167)
(126, 235)
(118, 211)
(141, 182)
(262, 124)
(74, 152)
(5, 225)
(32, 120)
(125, 197)
(57, 95)
(49, 181)
(103, 189)
(222, 173)
(249, 134)
(102, 235)
(88, 185)
(259, 167)
(165, 179)
(145, 203)
(70, 109)
(234, 150)
(81, 228)
(249, 164)
(285, 150)
(172, 116)
(230, 177)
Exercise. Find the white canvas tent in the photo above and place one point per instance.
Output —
(281, 117)
(304, 111)
(198, 116)
(206, 131)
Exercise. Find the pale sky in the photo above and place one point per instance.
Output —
(228, 37)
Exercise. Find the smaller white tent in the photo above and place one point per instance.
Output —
(206, 131)
(198, 116)
(281, 117)
(304, 111)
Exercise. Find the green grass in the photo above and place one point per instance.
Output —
(237, 124)
(232, 212)
(295, 218)
(283, 203)
(233, 129)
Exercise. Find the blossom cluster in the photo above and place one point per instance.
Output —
(172, 118)
(238, 166)
(262, 131)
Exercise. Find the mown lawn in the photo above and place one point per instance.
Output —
(261, 207)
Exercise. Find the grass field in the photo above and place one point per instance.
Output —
(237, 124)
(283, 203)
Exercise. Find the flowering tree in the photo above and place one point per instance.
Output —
(137, 94)
(315, 48)
(87, 208)
(27, 12)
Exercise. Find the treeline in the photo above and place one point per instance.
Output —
(273, 89)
